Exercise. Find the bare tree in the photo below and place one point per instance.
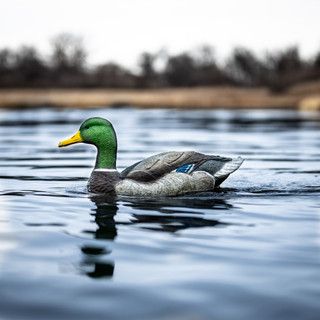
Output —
(180, 70)
(29, 66)
(111, 75)
(245, 68)
(68, 53)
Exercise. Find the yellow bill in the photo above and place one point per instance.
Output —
(74, 139)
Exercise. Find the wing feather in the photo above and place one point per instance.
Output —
(157, 166)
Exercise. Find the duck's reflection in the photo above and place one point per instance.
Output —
(174, 214)
(104, 218)
(97, 269)
(166, 215)
(93, 263)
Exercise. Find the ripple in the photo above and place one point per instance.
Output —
(47, 224)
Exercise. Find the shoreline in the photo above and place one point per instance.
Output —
(303, 96)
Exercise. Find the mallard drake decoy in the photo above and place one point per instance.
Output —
(171, 173)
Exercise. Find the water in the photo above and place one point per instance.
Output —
(249, 251)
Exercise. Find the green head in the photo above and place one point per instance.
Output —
(100, 133)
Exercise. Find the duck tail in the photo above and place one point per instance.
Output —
(228, 168)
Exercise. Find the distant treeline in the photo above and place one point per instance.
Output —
(67, 67)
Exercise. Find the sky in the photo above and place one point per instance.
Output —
(119, 30)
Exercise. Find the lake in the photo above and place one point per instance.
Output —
(250, 250)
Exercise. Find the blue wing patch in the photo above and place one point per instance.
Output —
(186, 168)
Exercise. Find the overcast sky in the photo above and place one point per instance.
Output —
(121, 29)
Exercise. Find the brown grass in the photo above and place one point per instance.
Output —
(205, 97)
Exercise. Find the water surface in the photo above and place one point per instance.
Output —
(249, 251)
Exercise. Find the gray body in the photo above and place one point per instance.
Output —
(156, 175)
